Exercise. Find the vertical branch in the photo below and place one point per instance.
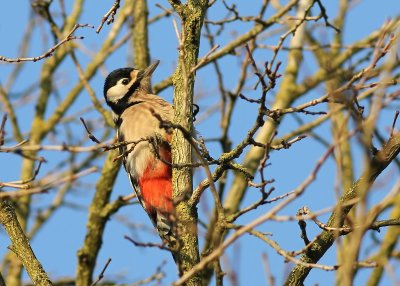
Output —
(98, 214)
(140, 34)
(339, 121)
(192, 15)
(97, 220)
(347, 272)
(386, 248)
(343, 158)
(11, 114)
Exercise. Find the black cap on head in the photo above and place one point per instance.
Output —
(118, 94)
(115, 76)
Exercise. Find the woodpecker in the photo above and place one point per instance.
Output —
(137, 114)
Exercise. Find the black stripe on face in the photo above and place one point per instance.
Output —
(115, 76)
(135, 76)
(124, 103)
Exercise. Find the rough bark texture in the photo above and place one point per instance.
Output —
(192, 15)
(20, 246)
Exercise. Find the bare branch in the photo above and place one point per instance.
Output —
(109, 16)
(140, 244)
(101, 275)
(396, 115)
(46, 187)
(49, 52)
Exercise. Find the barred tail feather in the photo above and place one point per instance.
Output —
(165, 228)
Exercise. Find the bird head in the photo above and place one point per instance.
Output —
(124, 84)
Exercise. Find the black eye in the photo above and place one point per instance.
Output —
(125, 81)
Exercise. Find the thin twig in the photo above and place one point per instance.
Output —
(250, 226)
(50, 52)
(149, 244)
(2, 132)
(109, 16)
(204, 59)
(303, 227)
(396, 115)
(101, 275)
(325, 16)
(90, 135)
(46, 187)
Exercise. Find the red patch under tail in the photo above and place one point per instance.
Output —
(156, 185)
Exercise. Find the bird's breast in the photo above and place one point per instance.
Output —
(140, 127)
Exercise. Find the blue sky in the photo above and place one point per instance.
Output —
(56, 244)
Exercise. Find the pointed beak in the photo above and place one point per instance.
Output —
(150, 69)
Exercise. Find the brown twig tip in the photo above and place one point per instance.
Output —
(396, 115)
(149, 244)
(109, 16)
(242, 96)
(41, 160)
(2, 130)
(50, 51)
(325, 16)
(90, 135)
(303, 225)
(101, 275)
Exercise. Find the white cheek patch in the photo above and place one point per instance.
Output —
(117, 92)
